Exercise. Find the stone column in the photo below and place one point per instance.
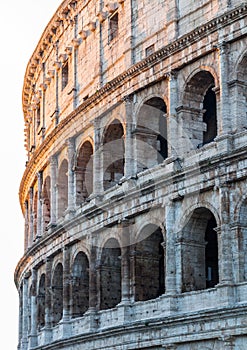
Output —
(71, 178)
(24, 340)
(224, 117)
(66, 293)
(97, 161)
(53, 171)
(172, 121)
(92, 280)
(33, 333)
(48, 313)
(39, 205)
(129, 164)
(171, 270)
(31, 233)
(66, 283)
(224, 237)
(26, 236)
(20, 317)
(125, 261)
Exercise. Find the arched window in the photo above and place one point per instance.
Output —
(110, 275)
(149, 264)
(62, 188)
(41, 302)
(84, 172)
(57, 294)
(80, 285)
(151, 134)
(199, 249)
(113, 154)
(240, 94)
(46, 195)
(198, 112)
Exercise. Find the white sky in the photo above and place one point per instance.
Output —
(21, 25)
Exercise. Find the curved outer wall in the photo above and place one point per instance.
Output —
(134, 193)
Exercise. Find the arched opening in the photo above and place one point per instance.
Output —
(62, 188)
(151, 134)
(240, 93)
(113, 154)
(57, 294)
(110, 275)
(84, 172)
(80, 285)
(41, 302)
(199, 111)
(199, 249)
(149, 264)
(209, 116)
(46, 195)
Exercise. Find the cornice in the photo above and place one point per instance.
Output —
(178, 45)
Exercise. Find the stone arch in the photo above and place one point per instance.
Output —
(199, 251)
(151, 133)
(84, 172)
(46, 207)
(41, 302)
(80, 284)
(62, 200)
(149, 275)
(199, 109)
(240, 93)
(110, 274)
(113, 154)
(57, 294)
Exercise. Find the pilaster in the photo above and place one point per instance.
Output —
(39, 205)
(53, 172)
(224, 117)
(71, 177)
(97, 161)
(48, 316)
(33, 333)
(129, 165)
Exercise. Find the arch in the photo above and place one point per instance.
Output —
(113, 154)
(84, 172)
(240, 94)
(57, 294)
(199, 251)
(149, 273)
(151, 133)
(41, 302)
(110, 275)
(80, 285)
(62, 188)
(46, 196)
(199, 109)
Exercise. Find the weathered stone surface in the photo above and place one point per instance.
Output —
(134, 194)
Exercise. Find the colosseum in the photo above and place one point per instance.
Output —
(134, 192)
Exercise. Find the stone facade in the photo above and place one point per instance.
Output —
(134, 193)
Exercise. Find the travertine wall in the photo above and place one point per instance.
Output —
(134, 191)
